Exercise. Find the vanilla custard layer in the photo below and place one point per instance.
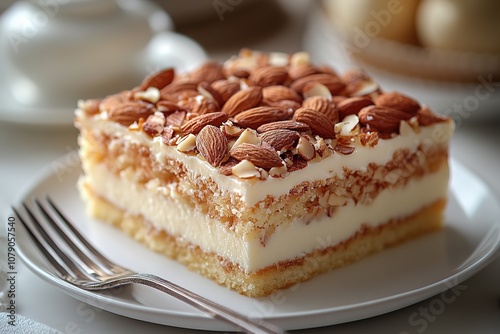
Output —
(288, 242)
(252, 191)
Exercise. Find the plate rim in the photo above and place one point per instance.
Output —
(205, 322)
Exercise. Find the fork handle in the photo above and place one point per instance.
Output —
(213, 309)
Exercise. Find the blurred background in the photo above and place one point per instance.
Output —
(446, 53)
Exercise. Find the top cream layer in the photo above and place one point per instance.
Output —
(251, 191)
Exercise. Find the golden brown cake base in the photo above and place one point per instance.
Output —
(278, 276)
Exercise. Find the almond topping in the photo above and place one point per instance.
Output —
(399, 102)
(323, 105)
(245, 170)
(279, 93)
(152, 94)
(316, 89)
(255, 117)
(383, 119)
(248, 136)
(285, 125)
(225, 88)
(269, 76)
(305, 148)
(158, 80)
(196, 124)
(334, 85)
(258, 155)
(130, 112)
(319, 123)
(154, 124)
(187, 143)
(242, 100)
(280, 139)
(176, 118)
(353, 105)
(212, 145)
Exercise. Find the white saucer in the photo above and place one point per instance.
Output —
(390, 280)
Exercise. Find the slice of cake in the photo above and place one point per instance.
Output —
(266, 170)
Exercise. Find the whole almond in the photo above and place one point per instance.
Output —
(319, 123)
(258, 155)
(427, 117)
(398, 101)
(298, 71)
(225, 88)
(209, 72)
(383, 119)
(283, 125)
(130, 112)
(322, 105)
(279, 93)
(280, 139)
(255, 117)
(334, 85)
(353, 105)
(242, 100)
(205, 89)
(177, 86)
(212, 144)
(195, 125)
(159, 79)
(289, 105)
(269, 75)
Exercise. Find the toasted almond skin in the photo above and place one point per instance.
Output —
(168, 107)
(319, 123)
(176, 87)
(159, 79)
(176, 118)
(279, 93)
(269, 76)
(323, 106)
(258, 155)
(205, 89)
(255, 117)
(195, 124)
(300, 71)
(426, 117)
(399, 102)
(209, 72)
(242, 100)
(329, 80)
(353, 105)
(154, 124)
(383, 119)
(283, 125)
(280, 139)
(345, 150)
(129, 112)
(225, 88)
(212, 144)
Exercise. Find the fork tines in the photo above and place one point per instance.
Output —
(66, 250)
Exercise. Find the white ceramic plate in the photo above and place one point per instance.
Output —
(381, 283)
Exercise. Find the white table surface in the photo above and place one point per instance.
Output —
(24, 150)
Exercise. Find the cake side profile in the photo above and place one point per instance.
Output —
(266, 170)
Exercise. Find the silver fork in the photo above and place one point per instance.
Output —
(90, 270)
